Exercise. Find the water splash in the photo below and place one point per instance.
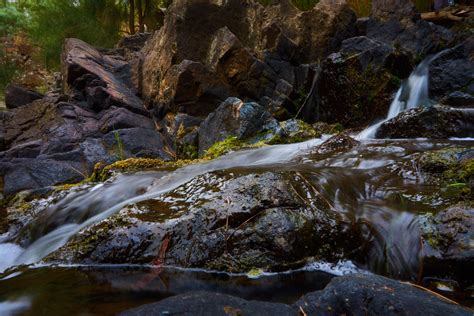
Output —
(413, 93)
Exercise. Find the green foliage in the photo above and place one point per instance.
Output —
(94, 21)
(12, 20)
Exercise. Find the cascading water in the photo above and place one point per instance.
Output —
(56, 225)
(412, 93)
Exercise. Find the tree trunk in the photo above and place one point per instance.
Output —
(131, 17)
(141, 24)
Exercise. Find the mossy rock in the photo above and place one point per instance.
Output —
(102, 173)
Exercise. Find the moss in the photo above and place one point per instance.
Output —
(229, 144)
(454, 173)
(134, 164)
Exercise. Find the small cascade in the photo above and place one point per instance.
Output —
(412, 93)
(56, 225)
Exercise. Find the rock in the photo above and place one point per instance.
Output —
(16, 96)
(414, 35)
(448, 245)
(136, 142)
(338, 143)
(103, 81)
(366, 294)
(205, 303)
(431, 122)
(29, 174)
(390, 9)
(119, 118)
(355, 85)
(244, 221)
(234, 118)
(50, 142)
(133, 43)
(453, 71)
(459, 99)
(248, 51)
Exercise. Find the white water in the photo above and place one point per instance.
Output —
(85, 209)
(412, 94)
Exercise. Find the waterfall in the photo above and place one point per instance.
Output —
(412, 93)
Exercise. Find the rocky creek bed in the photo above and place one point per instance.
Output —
(260, 162)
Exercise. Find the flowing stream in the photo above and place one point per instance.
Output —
(374, 184)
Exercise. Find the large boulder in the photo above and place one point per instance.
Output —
(244, 50)
(205, 303)
(397, 23)
(357, 294)
(50, 142)
(355, 85)
(235, 118)
(100, 80)
(244, 221)
(364, 294)
(432, 122)
(16, 96)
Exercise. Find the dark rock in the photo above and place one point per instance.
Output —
(134, 43)
(453, 71)
(392, 9)
(338, 143)
(459, 99)
(364, 294)
(234, 118)
(431, 122)
(104, 81)
(27, 174)
(16, 96)
(136, 142)
(243, 222)
(205, 303)
(244, 51)
(400, 26)
(355, 85)
(120, 118)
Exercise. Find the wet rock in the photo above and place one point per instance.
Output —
(355, 85)
(448, 236)
(16, 96)
(103, 81)
(205, 303)
(235, 118)
(243, 221)
(338, 143)
(364, 294)
(431, 122)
